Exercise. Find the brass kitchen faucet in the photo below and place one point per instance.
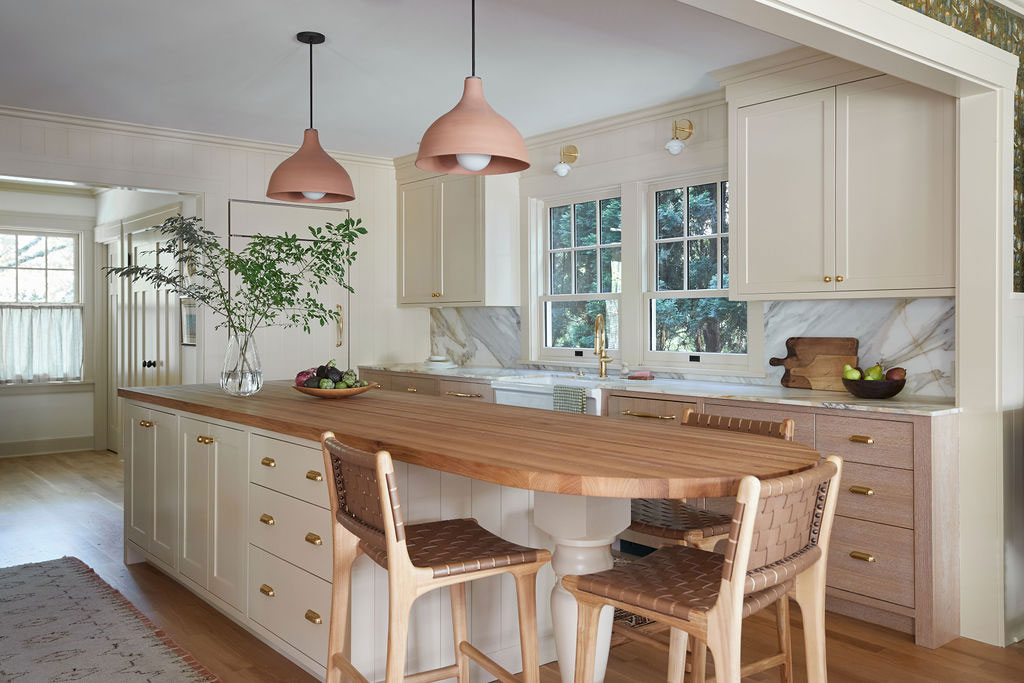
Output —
(599, 346)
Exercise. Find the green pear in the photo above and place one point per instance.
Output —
(850, 372)
(875, 372)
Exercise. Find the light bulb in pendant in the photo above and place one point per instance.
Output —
(473, 162)
(314, 196)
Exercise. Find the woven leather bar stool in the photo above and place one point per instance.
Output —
(419, 558)
(777, 545)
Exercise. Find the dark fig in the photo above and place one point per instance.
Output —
(311, 383)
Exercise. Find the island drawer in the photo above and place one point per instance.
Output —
(288, 602)
(648, 409)
(872, 442)
(804, 422)
(380, 377)
(877, 494)
(466, 391)
(414, 385)
(876, 560)
(291, 529)
(288, 468)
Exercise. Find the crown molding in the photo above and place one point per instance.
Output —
(764, 66)
(181, 135)
(64, 191)
(21, 220)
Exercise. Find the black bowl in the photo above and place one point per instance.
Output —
(874, 388)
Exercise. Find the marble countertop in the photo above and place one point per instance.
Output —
(509, 378)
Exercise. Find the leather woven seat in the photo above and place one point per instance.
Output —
(456, 546)
(677, 520)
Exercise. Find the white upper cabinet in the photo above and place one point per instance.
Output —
(844, 191)
(458, 241)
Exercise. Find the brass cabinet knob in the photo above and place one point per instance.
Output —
(435, 294)
(839, 278)
(204, 440)
(862, 490)
(411, 390)
(313, 475)
(268, 462)
(313, 617)
(313, 539)
(828, 278)
(267, 590)
(145, 423)
(864, 557)
(648, 415)
(860, 438)
(268, 519)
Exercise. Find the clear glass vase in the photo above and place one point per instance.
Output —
(242, 373)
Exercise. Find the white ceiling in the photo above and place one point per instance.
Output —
(388, 68)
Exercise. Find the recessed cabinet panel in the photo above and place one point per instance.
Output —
(195, 501)
(461, 239)
(896, 187)
(139, 461)
(786, 195)
(419, 216)
(164, 544)
(227, 514)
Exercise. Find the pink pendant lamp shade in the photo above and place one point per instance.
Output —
(310, 170)
(472, 127)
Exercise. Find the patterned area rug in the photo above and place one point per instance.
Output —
(59, 621)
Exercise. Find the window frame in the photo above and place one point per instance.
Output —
(76, 269)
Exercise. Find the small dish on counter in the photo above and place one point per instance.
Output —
(336, 393)
(874, 388)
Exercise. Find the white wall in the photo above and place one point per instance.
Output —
(117, 204)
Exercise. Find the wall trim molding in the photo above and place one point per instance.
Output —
(14, 449)
(180, 135)
(46, 221)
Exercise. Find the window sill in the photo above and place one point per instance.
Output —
(29, 388)
(711, 372)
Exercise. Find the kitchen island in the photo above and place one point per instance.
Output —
(227, 495)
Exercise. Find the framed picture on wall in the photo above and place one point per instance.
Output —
(189, 321)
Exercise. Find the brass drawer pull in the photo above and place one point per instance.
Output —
(461, 395)
(267, 590)
(268, 462)
(412, 390)
(865, 557)
(648, 415)
(314, 539)
(313, 617)
(145, 423)
(313, 475)
(268, 519)
(862, 490)
(857, 438)
(204, 440)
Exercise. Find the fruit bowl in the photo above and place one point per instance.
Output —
(336, 393)
(874, 388)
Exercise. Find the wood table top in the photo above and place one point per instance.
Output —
(525, 448)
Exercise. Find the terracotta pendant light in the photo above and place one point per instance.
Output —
(472, 139)
(310, 176)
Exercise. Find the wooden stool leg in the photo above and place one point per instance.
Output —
(677, 655)
(460, 628)
(724, 643)
(346, 552)
(809, 592)
(699, 661)
(587, 620)
(785, 639)
(526, 597)
(399, 606)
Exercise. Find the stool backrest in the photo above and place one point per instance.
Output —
(364, 494)
(782, 430)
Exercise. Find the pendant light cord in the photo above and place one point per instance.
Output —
(311, 86)
(472, 14)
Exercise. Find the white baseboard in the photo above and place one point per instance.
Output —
(13, 449)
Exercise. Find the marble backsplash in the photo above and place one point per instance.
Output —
(916, 334)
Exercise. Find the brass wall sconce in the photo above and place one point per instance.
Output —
(567, 156)
(682, 129)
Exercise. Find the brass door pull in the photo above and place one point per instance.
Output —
(268, 519)
(862, 490)
(268, 462)
(341, 326)
(648, 415)
(314, 539)
(313, 475)
(411, 390)
(859, 438)
(145, 423)
(461, 395)
(204, 440)
(267, 590)
(313, 617)
(865, 557)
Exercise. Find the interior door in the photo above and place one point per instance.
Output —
(462, 245)
(285, 351)
(117, 358)
(155, 357)
(419, 220)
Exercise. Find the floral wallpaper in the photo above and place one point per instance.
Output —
(1004, 29)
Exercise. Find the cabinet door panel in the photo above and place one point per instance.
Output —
(195, 501)
(896, 188)
(461, 239)
(164, 542)
(784, 195)
(139, 458)
(229, 479)
(418, 226)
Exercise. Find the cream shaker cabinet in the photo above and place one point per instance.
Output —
(151, 480)
(844, 191)
(458, 241)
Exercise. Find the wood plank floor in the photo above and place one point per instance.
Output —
(70, 504)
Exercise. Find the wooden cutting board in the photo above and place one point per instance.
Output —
(817, 362)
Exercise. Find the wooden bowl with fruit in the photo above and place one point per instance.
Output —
(874, 382)
(329, 381)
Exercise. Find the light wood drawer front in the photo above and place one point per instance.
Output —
(291, 529)
(889, 577)
(295, 593)
(877, 494)
(466, 391)
(891, 444)
(648, 409)
(804, 422)
(289, 468)
(376, 377)
(415, 385)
